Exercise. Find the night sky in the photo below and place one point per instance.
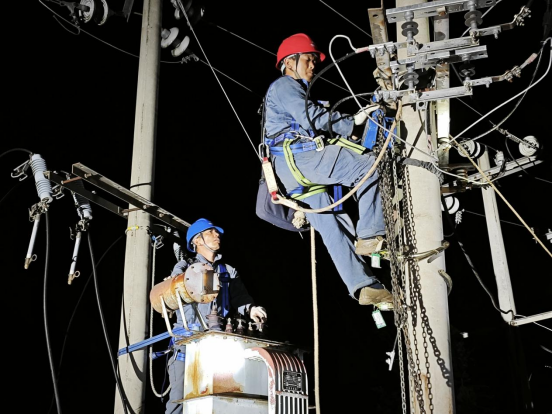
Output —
(71, 98)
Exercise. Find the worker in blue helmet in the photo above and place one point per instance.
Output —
(204, 239)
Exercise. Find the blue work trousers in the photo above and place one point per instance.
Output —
(338, 165)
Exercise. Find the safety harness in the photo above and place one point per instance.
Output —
(292, 142)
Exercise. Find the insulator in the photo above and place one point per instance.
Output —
(473, 19)
(499, 158)
(177, 248)
(175, 39)
(411, 79)
(83, 205)
(43, 186)
(526, 150)
(96, 10)
(409, 28)
(473, 148)
(452, 204)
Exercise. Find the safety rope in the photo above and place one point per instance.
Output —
(292, 204)
(315, 317)
(465, 153)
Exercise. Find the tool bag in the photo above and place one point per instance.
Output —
(276, 214)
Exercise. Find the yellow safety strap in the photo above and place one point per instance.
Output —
(309, 187)
(342, 142)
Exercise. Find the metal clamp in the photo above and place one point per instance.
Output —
(432, 254)
(319, 141)
(20, 171)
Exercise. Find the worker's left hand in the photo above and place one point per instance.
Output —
(258, 314)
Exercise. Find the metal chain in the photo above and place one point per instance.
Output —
(414, 272)
(390, 191)
(401, 240)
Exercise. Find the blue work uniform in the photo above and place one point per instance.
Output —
(333, 165)
(239, 299)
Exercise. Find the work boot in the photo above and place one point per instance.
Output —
(366, 247)
(381, 297)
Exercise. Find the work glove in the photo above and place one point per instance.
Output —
(361, 116)
(258, 314)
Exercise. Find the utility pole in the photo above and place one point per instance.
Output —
(134, 313)
(496, 243)
(425, 189)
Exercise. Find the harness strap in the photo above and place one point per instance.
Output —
(342, 142)
(224, 279)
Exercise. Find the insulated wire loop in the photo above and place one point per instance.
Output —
(339, 70)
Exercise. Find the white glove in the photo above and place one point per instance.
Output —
(257, 313)
(361, 116)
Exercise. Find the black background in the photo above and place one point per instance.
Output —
(71, 98)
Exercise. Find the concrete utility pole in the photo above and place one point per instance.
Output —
(134, 313)
(496, 242)
(425, 189)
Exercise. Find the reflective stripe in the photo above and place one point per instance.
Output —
(342, 142)
(301, 179)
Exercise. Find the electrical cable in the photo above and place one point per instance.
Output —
(356, 50)
(483, 175)
(214, 73)
(9, 191)
(317, 76)
(517, 103)
(459, 135)
(104, 327)
(333, 108)
(45, 314)
(15, 149)
(468, 259)
(335, 11)
(150, 347)
(292, 204)
(542, 326)
(272, 53)
(62, 353)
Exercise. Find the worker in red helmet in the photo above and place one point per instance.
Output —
(204, 239)
(304, 161)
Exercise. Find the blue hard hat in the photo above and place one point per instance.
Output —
(197, 227)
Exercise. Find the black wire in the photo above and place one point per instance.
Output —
(15, 149)
(339, 103)
(45, 312)
(10, 190)
(75, 311)
(106, 336)
(518, 102)
(468, 259)
(312, 83)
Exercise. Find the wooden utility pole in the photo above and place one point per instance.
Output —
(426, 196)
(134, 313)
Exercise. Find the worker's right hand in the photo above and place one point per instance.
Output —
(361, 116)
(258, 314)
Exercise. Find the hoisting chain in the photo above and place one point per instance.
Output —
(401, 240)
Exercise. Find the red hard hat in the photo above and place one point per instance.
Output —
(298, 43)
